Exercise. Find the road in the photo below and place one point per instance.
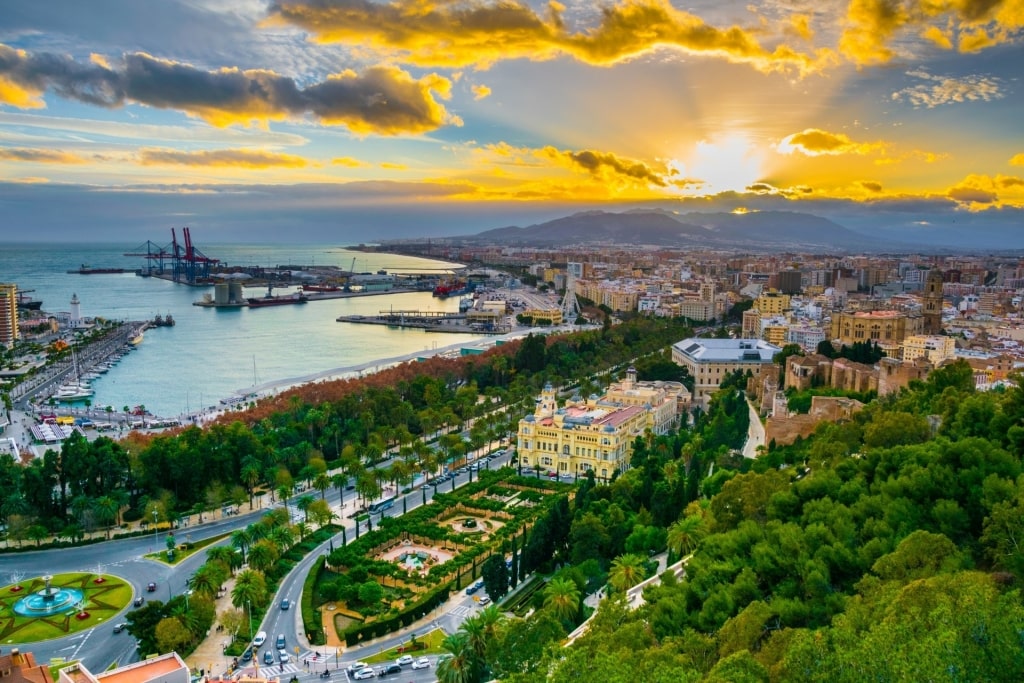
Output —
(99, 647)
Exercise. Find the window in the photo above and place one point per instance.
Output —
(565, 449)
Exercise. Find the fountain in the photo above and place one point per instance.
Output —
(50, 600)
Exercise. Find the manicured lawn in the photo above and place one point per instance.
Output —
(432, 640)
(180, 554)
(102, 601)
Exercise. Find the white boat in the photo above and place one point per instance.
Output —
(73, 392)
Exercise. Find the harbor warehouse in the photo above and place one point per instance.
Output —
(709, 360)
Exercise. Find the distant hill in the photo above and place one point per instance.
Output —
(750, 231)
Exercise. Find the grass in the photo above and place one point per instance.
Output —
(432, 640)
(179, 554)
(103, 601)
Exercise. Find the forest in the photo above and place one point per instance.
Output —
(886, 548)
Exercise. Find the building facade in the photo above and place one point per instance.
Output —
(597, 434)
(710, 360)
(8, 314)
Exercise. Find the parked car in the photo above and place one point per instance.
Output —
(484, 600)
(356, 666)
(389, 670)
(363, 674)
(151, 588)
(404, 660)
(120, 627)
(247, 655)
(260, 638)
(421, 663)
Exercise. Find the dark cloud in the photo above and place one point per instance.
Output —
(596, 161)
(384, 100)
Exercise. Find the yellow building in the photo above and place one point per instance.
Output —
(551, 315)
(935, 348)
(771, 303)
(8, 314)
(597, 434)
(888, 328)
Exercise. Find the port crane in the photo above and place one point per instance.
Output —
(351, 274)
(188, 264)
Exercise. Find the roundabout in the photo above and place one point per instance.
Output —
(47, 607)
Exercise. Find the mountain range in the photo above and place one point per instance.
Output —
(753, 231)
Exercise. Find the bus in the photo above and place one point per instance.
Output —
(382, 505)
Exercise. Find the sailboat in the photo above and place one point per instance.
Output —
(76, 390)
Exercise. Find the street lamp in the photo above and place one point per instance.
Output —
(156, 516)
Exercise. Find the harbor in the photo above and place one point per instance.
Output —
(434, 321)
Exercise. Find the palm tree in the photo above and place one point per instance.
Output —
(626, 571)
(460, 667)
(241, 539)
(250, 474)
(302, 529)
(250, 589)
(105, 510)
(562, 597)
(282, 537)
(205, 580)
(321, 483)
(262, 555)
(231, 559)
(303, 504)
(683, 535)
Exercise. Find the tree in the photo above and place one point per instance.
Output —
(370, 593)
(562, 597)
(461, 666)
(626, 571)
(263, 555)
(684, 535)
(320, 513)
(241, 539)
(495, 575)
(321, 483)
(171, 634)
(250, 589)
(303, 504)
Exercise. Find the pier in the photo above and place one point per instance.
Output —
(433, 321)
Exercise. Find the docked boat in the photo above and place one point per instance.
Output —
(466, 303)
(73, 392)
(163, 321)
(88, 270)
(322, 288)
(261, 301)
(455, 287)
(137, 339)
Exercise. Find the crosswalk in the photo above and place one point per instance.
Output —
(460, 611)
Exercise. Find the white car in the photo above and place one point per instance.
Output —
(404, 660)
(484, 600)
(421, 663)
(356, 666)
(363, 674)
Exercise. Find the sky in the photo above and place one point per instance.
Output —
(359, 120)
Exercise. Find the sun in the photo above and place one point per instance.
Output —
(722, 164)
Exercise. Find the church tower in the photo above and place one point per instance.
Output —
(933, 302)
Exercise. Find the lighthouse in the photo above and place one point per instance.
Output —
(75, 319)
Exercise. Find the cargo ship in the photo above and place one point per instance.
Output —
(451, 288)
(322, 288)
(259, 302)
(87, 270)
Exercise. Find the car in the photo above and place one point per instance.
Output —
(421, 663)
(260, 638)
(247, 655)
(363, 674)
(484, 600)
(404, 660)
(356, 666)
(479, 584)
(286, 603)
(151, 588)
(139, 601)
(281, 643)
(389, 670)
(120, 627)
(470, 589)
(268, 657)
(283, 656)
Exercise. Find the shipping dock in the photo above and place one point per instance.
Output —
(433, 321)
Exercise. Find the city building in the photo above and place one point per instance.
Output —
(710, 360)
(21, 667)
(935, 348)
(887, 328)
(772, 302)
(8, 314)
(168, 668)
(596, 434)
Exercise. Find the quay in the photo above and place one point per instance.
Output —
(431, 321)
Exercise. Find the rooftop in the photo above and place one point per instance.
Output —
(726, 350)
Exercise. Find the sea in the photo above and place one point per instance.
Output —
(212, 354)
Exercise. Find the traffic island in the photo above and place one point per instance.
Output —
(48, 607)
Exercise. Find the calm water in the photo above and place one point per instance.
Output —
(211, 353)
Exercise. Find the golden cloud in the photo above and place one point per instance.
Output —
(480, 92)
(477, 33)
(606, 165)
(39, 156)
(872, 25)
(870, 186)
(974, 191)
(816, 142)
(348, 161)
(1017, 159)
(383, 99)
(393, 166)
(1008, 181)
(221, 158)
